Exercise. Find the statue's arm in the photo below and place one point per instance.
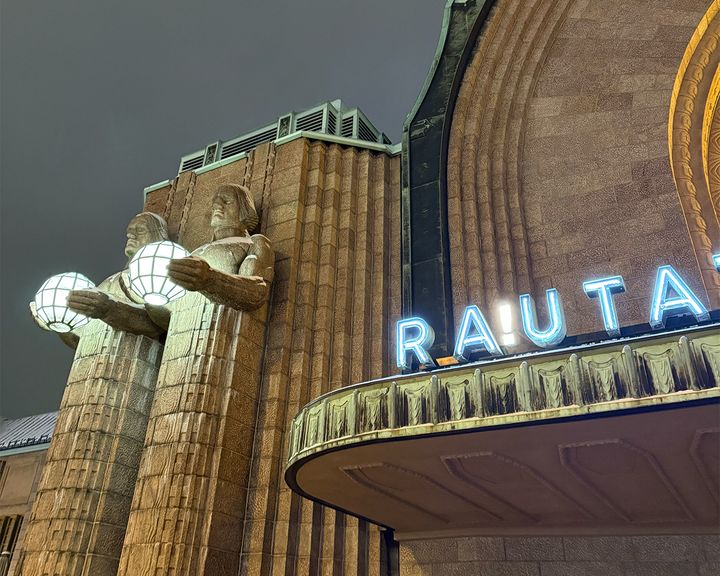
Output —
(122, 316)
(69, 338)
(247, 290)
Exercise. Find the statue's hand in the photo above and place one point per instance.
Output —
(92, 303)
(191, 273)
(39, 321)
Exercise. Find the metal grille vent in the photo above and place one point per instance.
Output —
(192, 163)
(364, 131)
(310, 122)
(329, 118)
(331, 122)
(247, 143)
(346, 128)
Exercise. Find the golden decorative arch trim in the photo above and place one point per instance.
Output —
(691, 125)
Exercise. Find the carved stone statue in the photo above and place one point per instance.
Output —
(83, 501)
(188, 506)
(123, 310)
(113, 301)
(235, 269)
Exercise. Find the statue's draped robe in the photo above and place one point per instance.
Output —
(188, 508)
(80, 514)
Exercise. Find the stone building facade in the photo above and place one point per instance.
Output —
(23, 453)
(554, 141)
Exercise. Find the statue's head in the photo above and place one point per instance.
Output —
(233, 207)
(144, 228)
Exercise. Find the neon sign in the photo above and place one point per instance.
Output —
(604, 289)
(474, 334)
(414, 336)
(556, 330)
(671, 297)
(663, 304)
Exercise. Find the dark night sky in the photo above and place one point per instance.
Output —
(100, 99)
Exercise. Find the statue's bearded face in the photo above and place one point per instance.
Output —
(138, 234)
(225, 210)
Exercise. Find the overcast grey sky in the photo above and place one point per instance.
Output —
(101, 98)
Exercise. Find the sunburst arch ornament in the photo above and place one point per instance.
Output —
(51, 301)
(148, 272)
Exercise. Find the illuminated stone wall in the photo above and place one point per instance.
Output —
(563, 556)
(80, 513)
(332, 213)
(557, 170)
(558, 166)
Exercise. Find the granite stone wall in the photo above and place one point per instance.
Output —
(557, 170)
(332, 214)
(558, 165)
(563, 556)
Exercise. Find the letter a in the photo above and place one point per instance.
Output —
(664, 305)
(481, 337)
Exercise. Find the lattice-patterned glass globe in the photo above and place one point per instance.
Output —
(51, 301)
(148, 272)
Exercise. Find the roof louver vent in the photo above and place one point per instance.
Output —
(364, 131)
(346, 128)
(331, 121)
(311, 122)
(331, 118)
(192, 162)
(245, 143)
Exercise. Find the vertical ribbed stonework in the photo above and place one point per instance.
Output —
(189, 504)
(187, 511)
(488, 236)
(333, 215)
(83, 499)
(557, 163)
(178, 202)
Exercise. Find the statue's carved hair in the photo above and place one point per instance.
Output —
(248, 215)
(156, 224)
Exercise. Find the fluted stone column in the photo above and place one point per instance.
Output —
(80, 513)
(81, 508)
(189, 504)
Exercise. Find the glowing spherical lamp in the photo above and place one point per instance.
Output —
(148, 272)
(51, 301)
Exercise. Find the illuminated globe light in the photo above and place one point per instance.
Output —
(51, 301)
(148, 272)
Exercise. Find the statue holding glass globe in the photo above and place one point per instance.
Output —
(66, 302)
(205, 400)
(94, 455)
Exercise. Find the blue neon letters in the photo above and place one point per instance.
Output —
(671, 297)
(664, 305)
(556, 330)
(416, 343)
(604, 289)
(474, 334)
